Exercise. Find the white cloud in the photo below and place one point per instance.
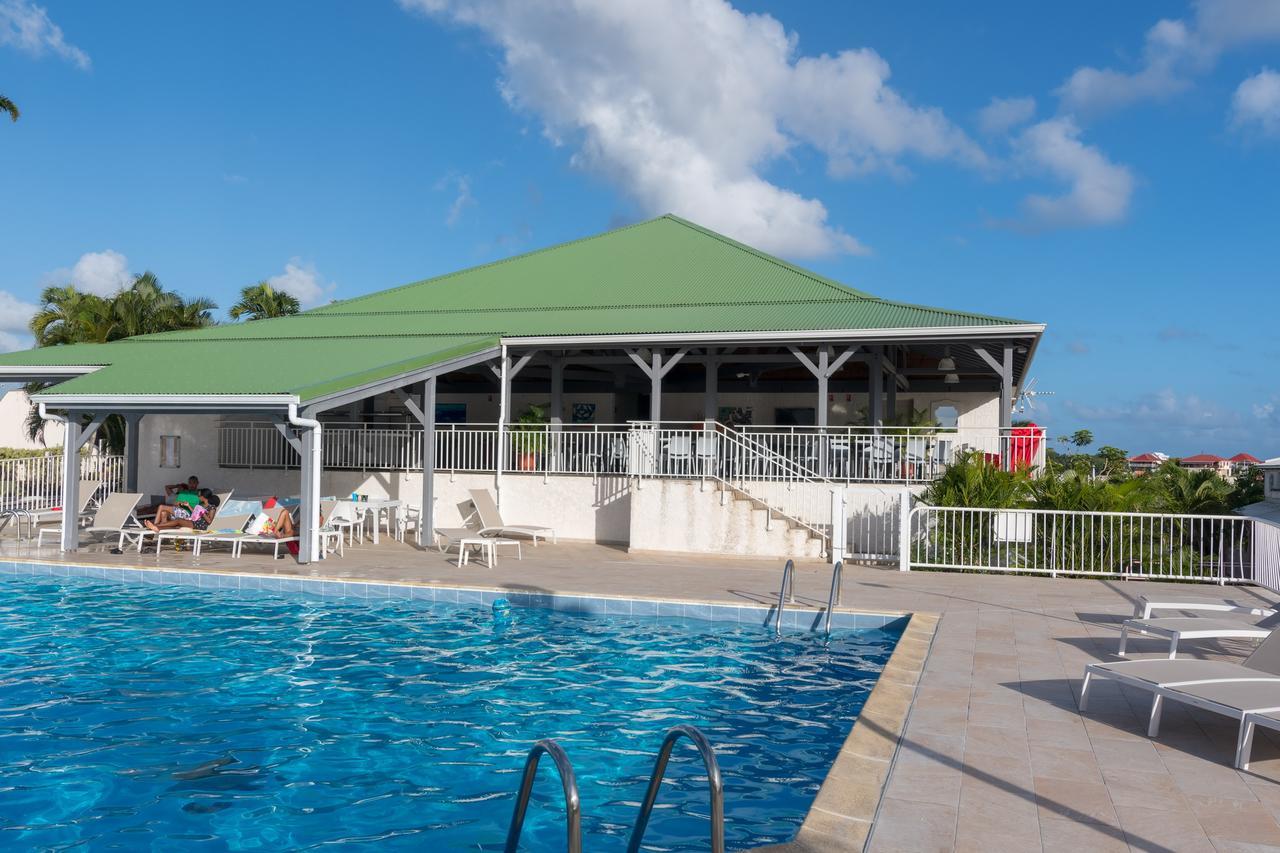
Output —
(1174, 51)
(1099, 192)
(1256, 103)
(1004, 114)
(683, 104)
(103, 273)
(462, 198)
(1171, 415)
(303, 281)
(27, 27)
(14, 317)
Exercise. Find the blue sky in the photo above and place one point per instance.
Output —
(1111, 169)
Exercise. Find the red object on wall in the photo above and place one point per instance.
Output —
(1024, 441)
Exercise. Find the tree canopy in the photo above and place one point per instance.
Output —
(261, 300)
(8, 106)
(69, 316)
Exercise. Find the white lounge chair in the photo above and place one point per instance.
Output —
(1196, 682)
(1237, 699)
(491, 523)
(1178, 628)
(1145, 607)
(115, 517)
(1266, 719)
(52, 515)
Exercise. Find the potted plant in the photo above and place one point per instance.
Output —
(529, 436)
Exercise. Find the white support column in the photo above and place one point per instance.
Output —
(71, 483)
(307, 496)
(891, 399)
(656, 368)
(822, 411)
(557, 393)
(655, 390)
(132, 425)
(711, 397)
(504, 406)
(875, 390)
(1006, 388)
(823, 371)
(427, 518)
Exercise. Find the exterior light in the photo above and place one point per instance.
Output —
(948, 364)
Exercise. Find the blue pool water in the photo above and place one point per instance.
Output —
(166, 717)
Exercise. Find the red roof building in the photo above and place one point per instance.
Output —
(1201, 460)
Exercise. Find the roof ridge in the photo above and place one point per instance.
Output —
(950, 311)
(499, 262)
(774, 259)
(615, 306)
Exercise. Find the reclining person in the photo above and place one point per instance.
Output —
(186, 516)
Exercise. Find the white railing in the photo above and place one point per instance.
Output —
(1217, 548)
(1266, 554)
(844, 455)
(726, 457)
(37, 480)
(860, 454)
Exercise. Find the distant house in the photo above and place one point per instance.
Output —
(15, 405)
(1241, 461)
(1268, 508)
(1207, 461)
(1144, 462)
(1226, 468)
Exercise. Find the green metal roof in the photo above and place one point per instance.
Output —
(665, 275)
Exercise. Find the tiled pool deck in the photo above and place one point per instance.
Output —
(994, 754)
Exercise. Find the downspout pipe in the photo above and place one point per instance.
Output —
(311, 506)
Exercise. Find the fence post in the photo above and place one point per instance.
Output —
(839, 524)
(904, 531)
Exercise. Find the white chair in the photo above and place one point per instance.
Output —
(679, 452)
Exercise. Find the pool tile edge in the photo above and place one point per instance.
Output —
(843, 813)
(795, 618)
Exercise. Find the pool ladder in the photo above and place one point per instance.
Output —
(573, 813)
(787, 594)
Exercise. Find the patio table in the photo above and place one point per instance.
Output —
(375, 507)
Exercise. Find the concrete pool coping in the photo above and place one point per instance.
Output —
(842, 813)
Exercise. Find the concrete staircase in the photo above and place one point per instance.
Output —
(684, 515)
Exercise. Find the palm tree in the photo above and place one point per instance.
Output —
(68, 316)
(8, 106)
(1184, 491)
(262, 300)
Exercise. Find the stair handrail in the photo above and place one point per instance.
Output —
(833, 600)
(714, 781)
(786, 593)
(765, 451)
(741, 486)
(572, 802)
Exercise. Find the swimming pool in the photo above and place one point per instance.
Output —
(157, 716)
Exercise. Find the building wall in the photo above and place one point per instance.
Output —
(14, 406)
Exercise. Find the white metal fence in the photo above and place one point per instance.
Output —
(37, 480)
(1217, 548)
(861, 454)
(841, 454)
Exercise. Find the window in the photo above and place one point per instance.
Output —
(946, 414)
(170, 451)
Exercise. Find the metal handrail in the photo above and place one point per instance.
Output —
(655, 781)
(787, 592)
(833, 600)
(572, 804)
